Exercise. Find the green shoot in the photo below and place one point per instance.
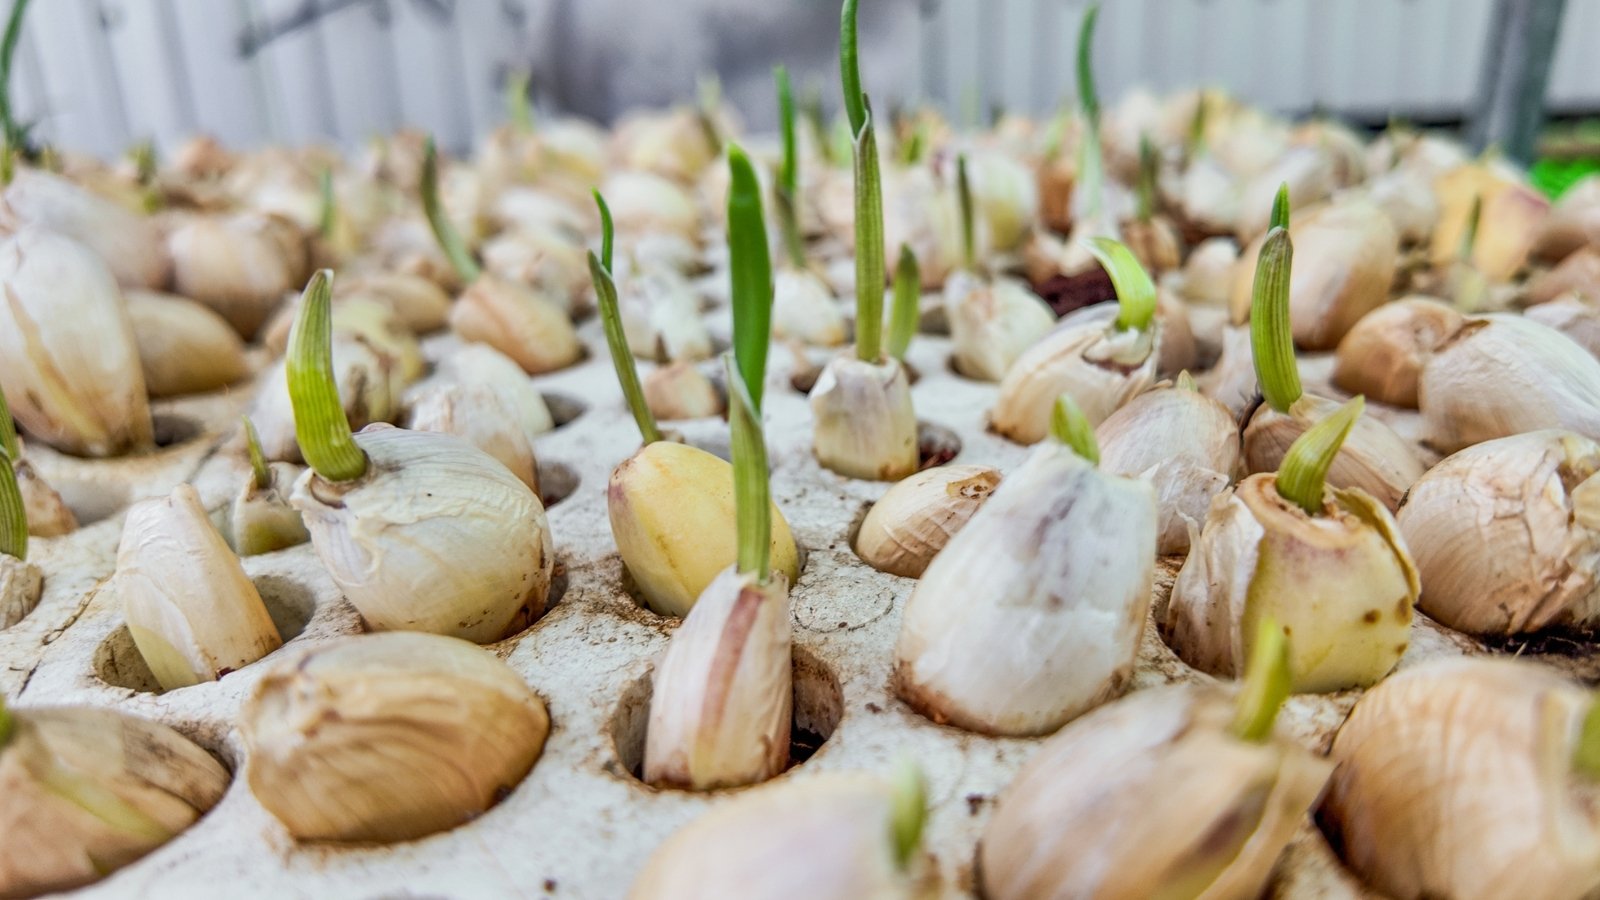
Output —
(1280, 208)
(1071, 427)
(908, 812)
(260, 474)
(855, 100)
(1303, 474)
(320, 424)
(15, 134)
(1088, 97)
(13, 513)
(752, 500)
(1271, 340)
(444, 231)
(1266, 684)
(787, 193)
(969, 241)
(1586, 760)
(605, 290)
(1469, 234)
(7, 724)
(1136, 293)
(8, 430)
(903, 315)
(750, 268)
(1197, 128)
(869, 246)
(328, 209)
(1186, 382)
(519, 108)
(1149, 167)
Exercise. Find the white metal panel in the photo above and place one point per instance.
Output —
(227, 90)
(362, 70)
(149, 82)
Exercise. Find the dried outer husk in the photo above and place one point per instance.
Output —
(1062, 553)
(48, 515)
(389, 737)
(1374, 458)
(20, 585)
(481, 364)
(1087, 356)
(521, 323)
(1185, 444)
(1573, 223)
(477, 414)
(671, 509)
(679, 391)
(1575, 318)
(369, 389)
(69, 363)
(720, 704)
(992, 321)
(184, 347)
(1578, 274)
(1509, 220)
(865, 425)
(661, 317)
(745, 848)
(1341, 584)
(1207, 275)
(1501, 375)
(1456, 779)
(1381, 358)
(192, 611)
(129, 244)
(1506, 534)
(1150, 796)
(88, 791)
(260, 519)
(1232, 381)
(437, 536)
(917, 516)
(241, 265)
(1345, 257)
(804, 309)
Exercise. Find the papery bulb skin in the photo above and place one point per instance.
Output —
(865, 425)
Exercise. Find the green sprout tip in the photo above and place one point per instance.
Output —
(908, 812)
(15, 133)
(1070, 426)
(869, 245)
(519, 108)
(787, 193)
(605, 290)
(1271, 339)
(969, 240)
(260, 474)
(328, 210)
(1303, 474)
(1266, 684)
(1136, 293)
(1149, 165)
(320, 424)
(850, 70)
(607, 230)
(444, 231)
(750, 271)
(1088, 97)
(1186, 382)
(752, 500)
(13, 512)
(903, 315)
(1280, 208)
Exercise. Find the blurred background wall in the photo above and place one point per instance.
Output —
(99, 74)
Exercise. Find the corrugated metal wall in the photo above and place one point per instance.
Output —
(99, 74)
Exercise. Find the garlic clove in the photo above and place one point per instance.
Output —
(672, 515)
(1100, 366)
(420, 305)
(193, 612)
(480, 364)
(68, 358)
(184, 347)
(260, 519)
(1407, 198)
(1575, 318)
(1185, 444)
(720, 706)
(375, 324)
(1382, 356)
(1573, 223)
(1505, 534)
(1207, 276)
(240, 265)
(804, 309)
(1374, 458)
(1456, 778)
(369, 390)
(545, 258)
(1149, 796)
(661, 317)
(1341, 584)
(865, 426)
(523, 324)
(681, 391)
(642, 203)
(1501, 375)
(1578, 274)
(436, 536)
(477, 414)
(992, 322)
(88, 791)
(918, 515)
(1510, 219)
(1179, 351)
(129, 244)
(389, 737)
(48, 515)
(1062, 553)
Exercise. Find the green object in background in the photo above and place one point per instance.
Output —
(1554, 176)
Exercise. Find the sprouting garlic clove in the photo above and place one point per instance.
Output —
(68, 358)
(260, 519)
(1101, 366)
(1506, 534)
(1149, 796)
(389, 737)
(88, 791)
(477, 414)
(661, 317)
(521, 323)
(992, 322)
(1575, 318)
(1382, 356)
(865, 426)
(369, 390)
(193, 612)
(184, 347)
(48, 515)
(918, 515)
(681, 391)
(1578, 274)
(672, 515)
(436, 536)
(850, 824)
(129, 244)
(804, 309)
(721, 699)
(1185, 444)
(240, 265)
(1374, 458)
(1341, 584)
(1501, 375)
(1345, 254)
(1457, 778)
(1509, 220)
(1062, 552)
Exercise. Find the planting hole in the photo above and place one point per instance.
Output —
(565, 408)
(936, 445)
(557, 482)
(171, 430)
